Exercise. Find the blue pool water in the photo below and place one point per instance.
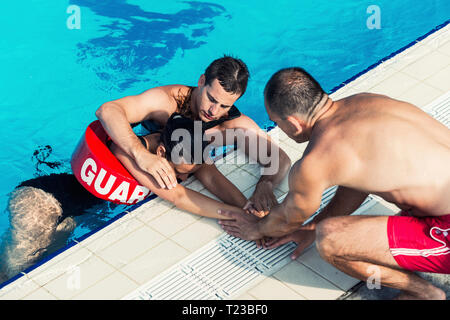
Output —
(54, 78)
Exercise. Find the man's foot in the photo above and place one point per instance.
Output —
(432, 294)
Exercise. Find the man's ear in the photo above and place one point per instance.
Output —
(201, 80)
(161, 150)
(295, 125)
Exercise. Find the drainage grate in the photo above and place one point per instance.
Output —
(222, 269)
(215, 272)
(440, 109)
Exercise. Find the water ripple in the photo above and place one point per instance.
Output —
(137, 41)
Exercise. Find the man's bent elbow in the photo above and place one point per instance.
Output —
(290, 226)
(100, 112)
(298, 217)
(294, 221)
(108, 110)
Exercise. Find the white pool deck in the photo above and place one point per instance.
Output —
(142, 244)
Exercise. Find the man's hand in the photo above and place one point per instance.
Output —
(303, 238)
(159, 168)
(250, 209)
(262, 200)
(240, 225)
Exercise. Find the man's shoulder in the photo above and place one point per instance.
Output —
(162, 97)
(321, 157)
(171, 90)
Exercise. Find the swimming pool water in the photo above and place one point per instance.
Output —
(54, 78)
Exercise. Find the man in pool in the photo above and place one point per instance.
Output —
(41, 210)
(365, 144)
(222, 84)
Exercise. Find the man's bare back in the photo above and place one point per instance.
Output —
(389, 148)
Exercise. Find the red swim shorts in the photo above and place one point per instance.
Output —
(420, 243)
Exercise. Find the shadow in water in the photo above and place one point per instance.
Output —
(137, 41)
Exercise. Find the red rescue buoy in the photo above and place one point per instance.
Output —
(101, 173)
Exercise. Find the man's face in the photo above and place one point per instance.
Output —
(213, 101)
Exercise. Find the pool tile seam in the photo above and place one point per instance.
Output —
(390, 63)
(40, 288)
(93, 254)
(281, 283)
(65, 266)
(104, 276)
(18, 285)
(323, 276)
(100, 280)
(104, 232)
(97, 253)
(424, 82)
(45, 268)
(170, 238)
(424, 79)
(57, 276)
(333, 286)
(149, 249)
(248, 293)
(180, 258)
(432, 86)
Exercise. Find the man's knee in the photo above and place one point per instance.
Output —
(328, 232)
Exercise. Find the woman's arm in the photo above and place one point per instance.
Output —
(220, 186)
(195, 202)
(183, 198)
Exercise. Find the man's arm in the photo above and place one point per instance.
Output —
(306, 185)
(116, 117)
(345, 202)
(220, 186)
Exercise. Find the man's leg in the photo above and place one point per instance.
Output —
(354, 244)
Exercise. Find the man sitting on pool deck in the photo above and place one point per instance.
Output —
(222, 84)
(365, 144)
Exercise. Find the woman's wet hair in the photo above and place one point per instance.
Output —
(293, 90)
(232, 74)
(183, 140)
